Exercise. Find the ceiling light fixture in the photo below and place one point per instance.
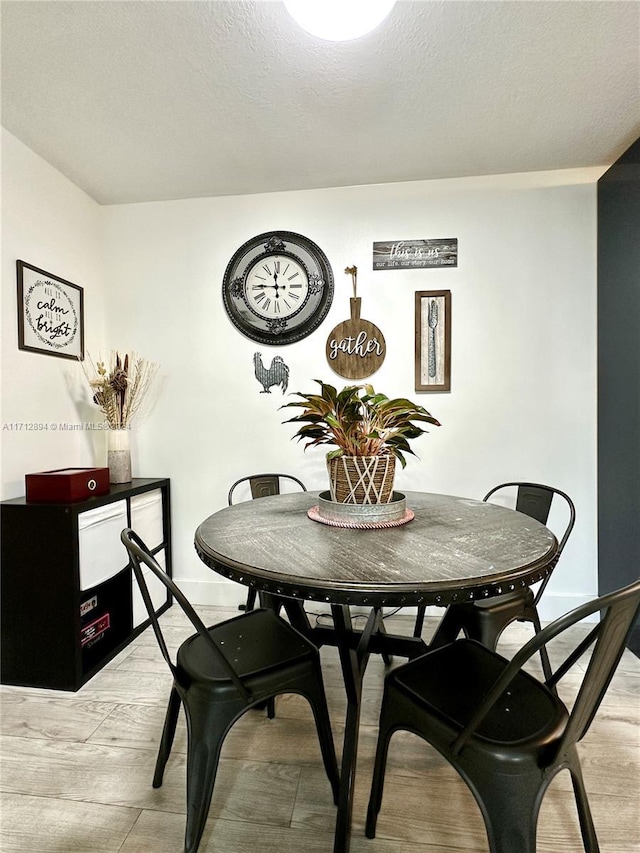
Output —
(339, 20)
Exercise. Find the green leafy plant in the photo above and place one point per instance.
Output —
(358, 421)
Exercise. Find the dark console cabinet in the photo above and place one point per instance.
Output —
(69, 600)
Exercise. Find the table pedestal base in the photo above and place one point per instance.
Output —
(354, 648)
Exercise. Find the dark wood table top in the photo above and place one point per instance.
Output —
(455, 549)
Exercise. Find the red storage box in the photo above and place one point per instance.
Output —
(66, 485)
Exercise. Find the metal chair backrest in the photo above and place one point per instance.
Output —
(618, 612)
(534, 500)
(264, 485)
(139, 553)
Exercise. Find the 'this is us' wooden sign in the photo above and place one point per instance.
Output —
(415, 254)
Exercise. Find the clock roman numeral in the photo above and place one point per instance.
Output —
(293, 276)
(276, 267)
(259, 297)
(266, 304)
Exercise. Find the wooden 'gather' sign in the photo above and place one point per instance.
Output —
(356, 348)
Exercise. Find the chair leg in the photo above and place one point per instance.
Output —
(417, 628)
(587, 828)
(382, 628)
(314, 694)
(168, 732)
(448, 628)
(510, 807)
(207, 725)
(487, 632)
(532, 616)
(377, 783)
(272, 603)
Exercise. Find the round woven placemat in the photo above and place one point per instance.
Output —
(314, 515)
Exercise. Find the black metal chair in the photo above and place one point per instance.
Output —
(506, 733)
(262, 486)
(220, 672)
(485, 620)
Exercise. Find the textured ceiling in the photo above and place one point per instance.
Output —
(141, 100)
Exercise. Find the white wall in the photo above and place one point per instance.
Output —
(51, 224)
(523, 398)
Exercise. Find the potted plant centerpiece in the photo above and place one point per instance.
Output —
(369, 431)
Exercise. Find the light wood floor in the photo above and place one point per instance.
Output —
(77, 769)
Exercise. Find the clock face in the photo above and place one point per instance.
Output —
(277, 287)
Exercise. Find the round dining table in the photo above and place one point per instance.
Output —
(454, 549)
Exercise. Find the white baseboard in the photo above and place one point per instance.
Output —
(554, 605)
(213, 593)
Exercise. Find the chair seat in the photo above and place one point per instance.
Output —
(486, 619)
(220, 673)
(528, 713)
(504, 732)
(508, 602)
(257, 642)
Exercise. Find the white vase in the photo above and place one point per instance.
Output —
(118, 456)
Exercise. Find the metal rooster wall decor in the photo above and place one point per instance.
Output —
(275, 375)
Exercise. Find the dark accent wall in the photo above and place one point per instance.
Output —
(619, 376)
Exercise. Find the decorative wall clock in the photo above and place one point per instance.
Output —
(278, 287)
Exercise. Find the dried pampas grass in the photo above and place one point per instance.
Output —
(120, 385)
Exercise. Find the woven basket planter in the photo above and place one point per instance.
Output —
(361, 479)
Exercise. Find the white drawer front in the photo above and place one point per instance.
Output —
(102, 554)
(146, 517)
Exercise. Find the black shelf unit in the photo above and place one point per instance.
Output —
(56, 635)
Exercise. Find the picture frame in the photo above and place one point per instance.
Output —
(50, 313)
(433, 340)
